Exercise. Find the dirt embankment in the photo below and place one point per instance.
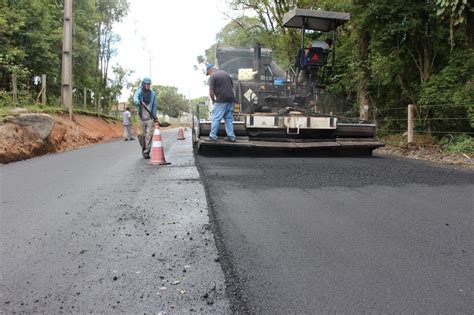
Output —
(22, 142)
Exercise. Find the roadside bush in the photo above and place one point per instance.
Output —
(5, 98)
(457, 144)
(164, 124)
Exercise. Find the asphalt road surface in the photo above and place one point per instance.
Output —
(99, 230)
(343, 235)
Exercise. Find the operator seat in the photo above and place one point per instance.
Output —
(311, 58)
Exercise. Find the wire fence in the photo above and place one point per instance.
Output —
(24, 91)
(436, 120)
(28, 90)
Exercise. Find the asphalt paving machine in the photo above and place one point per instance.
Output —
(283, 109)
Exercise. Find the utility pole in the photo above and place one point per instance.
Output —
(43, 88)
(410, 123)
(15, 90)
(66, 69)
(149, 62)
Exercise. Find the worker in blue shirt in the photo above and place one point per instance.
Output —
(145, 100)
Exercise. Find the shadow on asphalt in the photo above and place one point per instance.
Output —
(284, 152)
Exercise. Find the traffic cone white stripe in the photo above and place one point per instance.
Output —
(157, 154)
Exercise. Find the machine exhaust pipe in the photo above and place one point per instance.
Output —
(257, 62)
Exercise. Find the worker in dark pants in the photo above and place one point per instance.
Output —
(145, 100)
(221, 92)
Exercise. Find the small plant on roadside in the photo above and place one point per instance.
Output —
(457, 144)
(5, 98)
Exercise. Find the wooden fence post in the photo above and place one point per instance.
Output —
(15, 90)
(43, 88)
(410, 123)
(85, 98)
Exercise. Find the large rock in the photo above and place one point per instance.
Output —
(42, 123)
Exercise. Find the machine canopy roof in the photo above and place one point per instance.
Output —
(317, 20)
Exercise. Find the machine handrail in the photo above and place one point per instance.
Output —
(269, 70)
(287, 73)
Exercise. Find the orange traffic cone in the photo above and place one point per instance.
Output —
(181, 134)
(157, 156)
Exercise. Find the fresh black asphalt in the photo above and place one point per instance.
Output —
(343, 235)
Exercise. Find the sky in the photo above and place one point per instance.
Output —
(173, 33)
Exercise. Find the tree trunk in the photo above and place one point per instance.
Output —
(364, 102)
(97, 68)
(426, 63)
(470, 25)
(451, 32)
(427, 53)
(105, 70)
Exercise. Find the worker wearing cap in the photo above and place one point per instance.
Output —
(145, 100)
(221, 92)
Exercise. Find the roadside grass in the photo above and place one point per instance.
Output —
(449, 144)
(457, 144)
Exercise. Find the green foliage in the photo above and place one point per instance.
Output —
(31, 33)
(85, 43)
(5, 98)
(170, 102)
(241, 32)
(457, 144)
(244, 32)
(198, 107)
(120, 81)
(453, 83)
(455, 8)
(31, 37)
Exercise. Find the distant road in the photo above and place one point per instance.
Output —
(344, 235)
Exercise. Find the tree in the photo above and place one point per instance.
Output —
(282, 41)
(170, 102)
(459, 12)
(244, 32)
(116, 85)
(108, 12)
(31, 41)
(84, 39)
(198, 108)
(31, 33)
